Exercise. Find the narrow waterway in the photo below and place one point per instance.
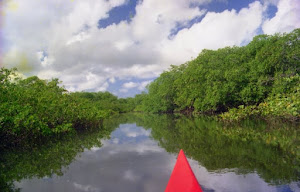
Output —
(137, 153)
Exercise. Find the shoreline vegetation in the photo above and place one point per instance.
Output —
(33, 109)
(261, 80)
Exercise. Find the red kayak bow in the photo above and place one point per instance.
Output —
(182, 178)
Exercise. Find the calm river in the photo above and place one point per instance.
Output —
(136, 153)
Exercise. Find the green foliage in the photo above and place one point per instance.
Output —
(283, 103)
(266, 69)
(286, 105)
(107, 101)
(162, 91)
(138, 102)
(32, 108)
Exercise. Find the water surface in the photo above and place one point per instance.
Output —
(137, 153)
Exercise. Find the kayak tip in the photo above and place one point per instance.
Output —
(182, 178)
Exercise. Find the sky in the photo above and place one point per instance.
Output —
(120, 46)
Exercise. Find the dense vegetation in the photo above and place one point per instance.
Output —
(261, 78)
(107, 101)
(32, 108)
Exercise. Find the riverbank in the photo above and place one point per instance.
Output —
(33, 109)
(260, 79)
(284, 107)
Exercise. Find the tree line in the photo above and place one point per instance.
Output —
(32, 109)
(259, 79)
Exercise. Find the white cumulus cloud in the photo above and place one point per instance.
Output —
(286, 19)
(62, 39)
(130, 85)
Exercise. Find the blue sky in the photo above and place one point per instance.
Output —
(127, 11)
(122, 45)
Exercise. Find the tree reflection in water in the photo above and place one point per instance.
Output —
(244, 148)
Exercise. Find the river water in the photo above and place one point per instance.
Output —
(137, 152)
